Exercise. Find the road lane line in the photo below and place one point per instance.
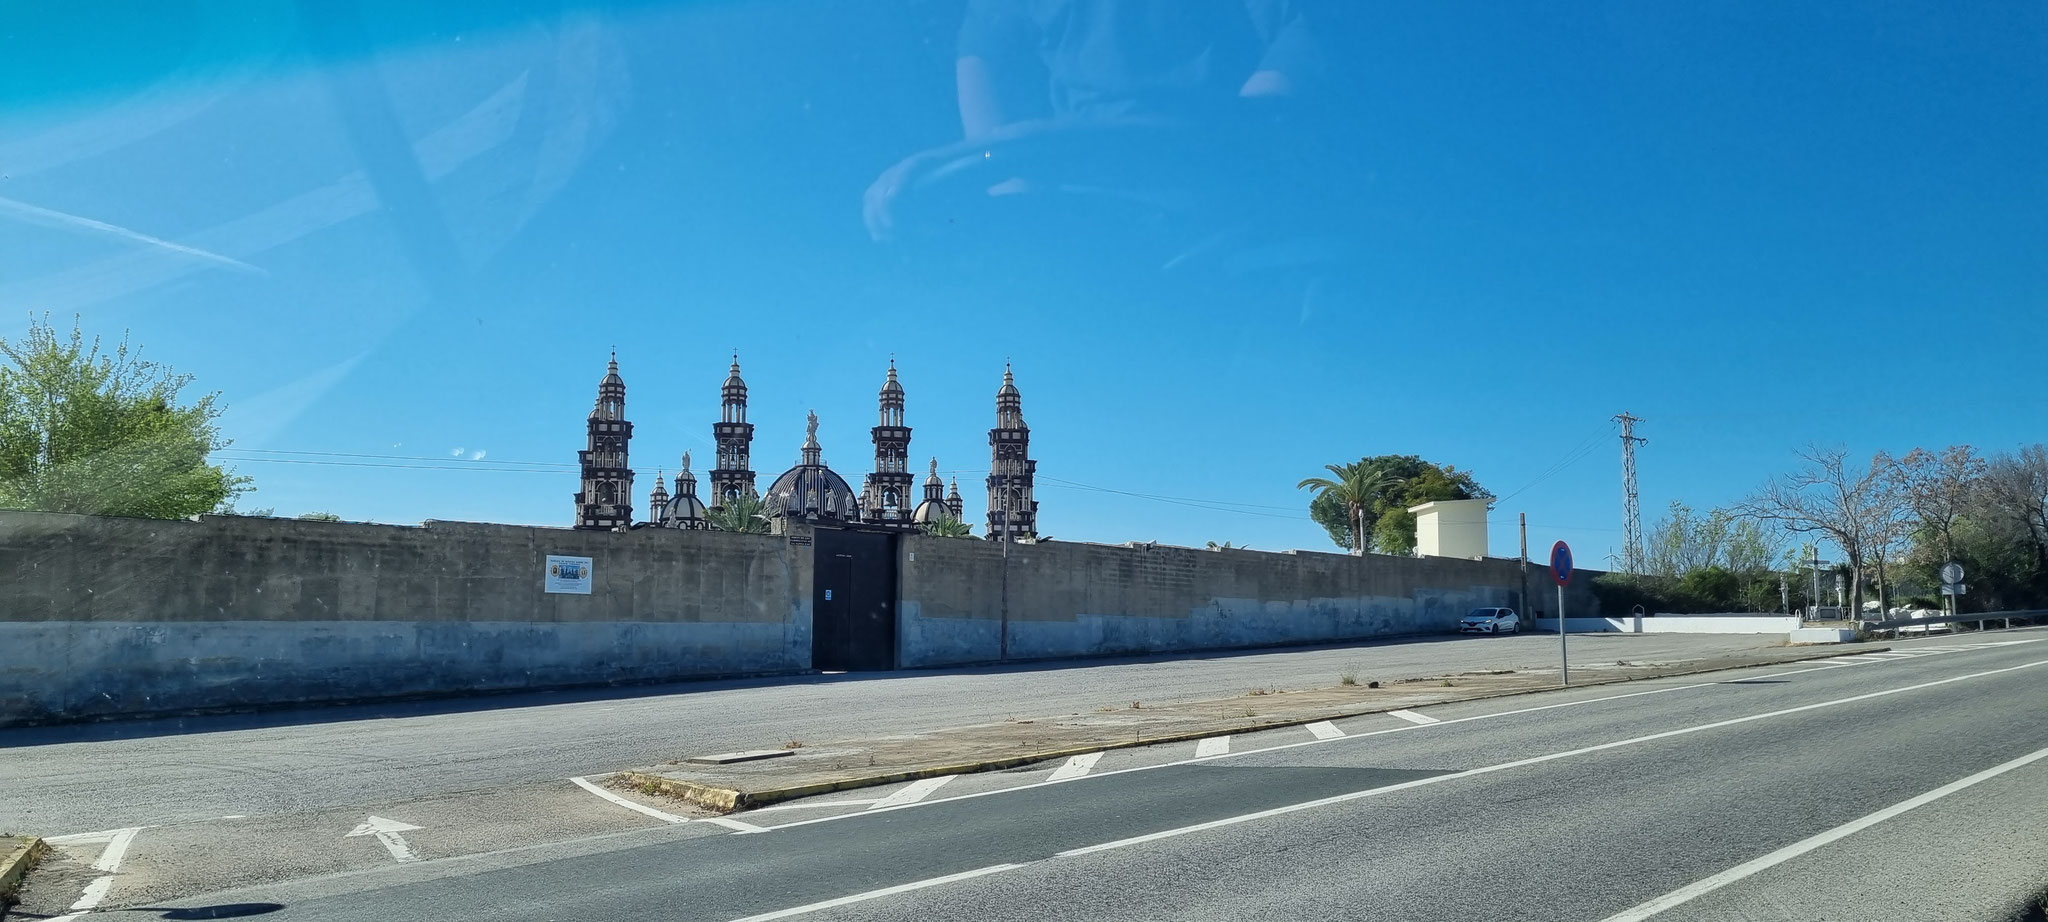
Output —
(732, 824)
(913, 792)
(1517, 712)
(1523, 763)
(1212, 746)
(117, 849)
(807, 805)
(1325, 730)
(1076, 767)
(109, 861)
(1274, 748)
(1414, 718)
(585, 784)
(1801, 847)
(876, 894)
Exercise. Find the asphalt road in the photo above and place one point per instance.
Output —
(103, 776)
(1765, 793)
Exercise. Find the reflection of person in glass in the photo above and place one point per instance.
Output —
(1105, 99)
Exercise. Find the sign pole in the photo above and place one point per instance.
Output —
(1564, 660)
(1561, 570)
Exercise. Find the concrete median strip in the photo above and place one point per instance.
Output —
(17, 855)
(858, 763)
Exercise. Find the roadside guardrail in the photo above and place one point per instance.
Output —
(1981, 619)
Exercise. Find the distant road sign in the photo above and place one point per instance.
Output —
(1954, 589)
(1561, 563)
(1951, 572)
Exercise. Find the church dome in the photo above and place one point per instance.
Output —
(811, 488)
(684, 509)
(929, 511)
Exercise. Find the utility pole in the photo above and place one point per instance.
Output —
(1522, 601)
(1003, 641)
(1813, 601)
(1631, 508)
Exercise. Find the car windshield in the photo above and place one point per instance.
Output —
(500, 459)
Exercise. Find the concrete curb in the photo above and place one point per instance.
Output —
(17, 864)
(727, 800)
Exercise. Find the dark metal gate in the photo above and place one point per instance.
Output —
(853, 600)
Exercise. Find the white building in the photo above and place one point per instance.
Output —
(1451, 528)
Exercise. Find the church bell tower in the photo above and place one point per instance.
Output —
(606, 500)
(1012, 512)
(887, 491)
(734, 475)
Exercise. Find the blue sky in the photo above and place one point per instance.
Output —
(418, 234)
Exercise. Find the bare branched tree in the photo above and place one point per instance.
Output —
(1938, 486)
(2016, 486)
(1858, 507)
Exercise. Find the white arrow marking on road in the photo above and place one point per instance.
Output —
(387, 832)
(912, 792)
(1076, 766)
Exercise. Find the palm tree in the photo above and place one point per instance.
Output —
(1357, 485)
(743, 513)
(949, 527)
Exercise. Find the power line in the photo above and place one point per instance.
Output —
(1570, 458)
(346, 454)
(400, 467)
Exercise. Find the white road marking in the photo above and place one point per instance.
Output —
(1212, 746)
(875, 894)
(807, 804)
(732, 824)
(1274, 748)
(585, 784)
(1076, 767)
(387, 833)
(1517, 712)
(1414, 718)
(1325, 730)
(1801, 847)
(1892, 655)
(88, 838)
(913, 792)
(1522, 763)
(94, 893)
(109, 861)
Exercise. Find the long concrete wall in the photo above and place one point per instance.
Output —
(972, 601)
(103, 616)
(107, 616)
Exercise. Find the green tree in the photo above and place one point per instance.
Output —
(1403, 481)
(949, 527)
(319, 517)
(87, 430)
(1355, 489)
(744, 513)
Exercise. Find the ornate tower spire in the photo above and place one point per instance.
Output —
(606, 500)
(953, 502)
(657, 501)
(934, 488)
(734, 475)
(886, 495)
(686, 510)
(1012, 512)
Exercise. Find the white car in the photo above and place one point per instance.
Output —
(1491, 621)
